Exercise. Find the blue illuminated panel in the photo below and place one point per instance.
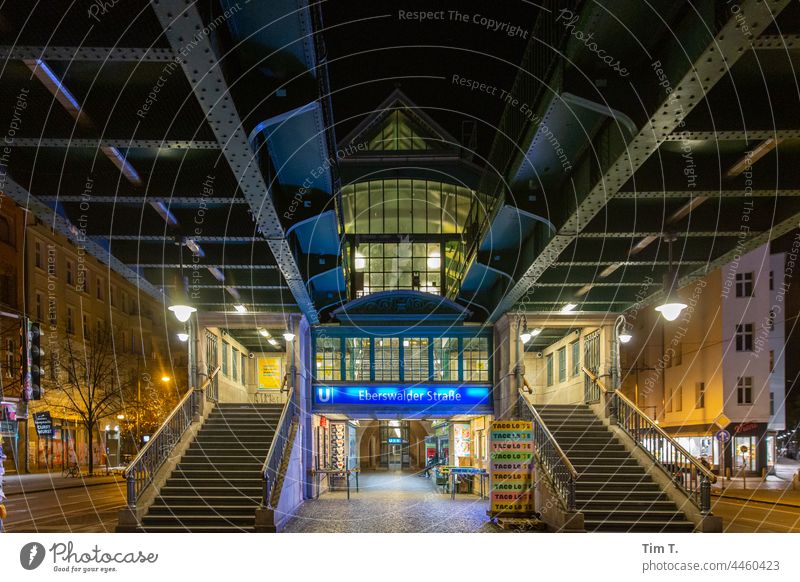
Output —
(421, 397)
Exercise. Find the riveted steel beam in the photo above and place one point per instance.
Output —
(742, 193)
(734, 135)
(121, 143)
(171, 239)
(188, 34)
(86, 53)
(686, 234)
(777, 42)
(697, 78)
(64, 227)
(139, 200)
(226, 266)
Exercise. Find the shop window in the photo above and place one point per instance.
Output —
(744, 284)
(575, 348)
(476, 359)
(356, 359)
(744, 390)
(549, 364)
(387, 359)
(744, 337)
(745, 452)
(416, 358)
(562, 364)
(225, 349)
(445, 359)
(700, 395)
(328, 358)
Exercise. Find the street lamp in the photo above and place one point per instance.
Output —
(183, 336)
(288, 336)
(165, 379)
(621, 336)
(673, 305)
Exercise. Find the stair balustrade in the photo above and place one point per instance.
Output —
(552, 459)
(139, 474)
(271, 470)
(685, 470)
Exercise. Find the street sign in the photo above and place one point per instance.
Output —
(723, 436)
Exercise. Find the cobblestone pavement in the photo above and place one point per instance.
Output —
(393, 502)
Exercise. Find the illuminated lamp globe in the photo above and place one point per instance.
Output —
(182, 312)
(288, 336)
(671, 311)
(625, 337)
(183, 336)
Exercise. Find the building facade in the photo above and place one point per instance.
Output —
(718, 366)
(72, 295)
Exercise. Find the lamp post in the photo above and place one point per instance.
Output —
(183, 311)
(672, 306)
(621, 336)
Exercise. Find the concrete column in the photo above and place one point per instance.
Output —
(508, 367)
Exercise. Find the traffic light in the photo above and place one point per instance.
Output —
(35, 335)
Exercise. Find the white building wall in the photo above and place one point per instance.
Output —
(777, 341)
(743, 310)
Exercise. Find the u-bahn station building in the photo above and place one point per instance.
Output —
(371, 273)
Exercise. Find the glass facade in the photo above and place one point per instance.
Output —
(402, 359)
(409, 234)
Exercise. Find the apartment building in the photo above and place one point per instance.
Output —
(720, 365)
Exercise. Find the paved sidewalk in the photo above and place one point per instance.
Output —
(38, 482)
(777, 489)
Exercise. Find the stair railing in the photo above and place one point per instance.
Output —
(270, 470)
(551, 458)
(685, 470)
(139, 474)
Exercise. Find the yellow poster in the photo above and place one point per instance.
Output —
(270, 372)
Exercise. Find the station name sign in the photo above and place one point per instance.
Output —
(417, 396)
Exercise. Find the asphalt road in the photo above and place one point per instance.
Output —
(756, 517)
(81, 509)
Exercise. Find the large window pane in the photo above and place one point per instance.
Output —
(416, 359)
(476, 360)
(357, 359)
(445, 359)
(329, 358)
(387, 359)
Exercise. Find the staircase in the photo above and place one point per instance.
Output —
(217, 485)
(613, 491)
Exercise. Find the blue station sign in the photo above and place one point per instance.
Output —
(475, 399)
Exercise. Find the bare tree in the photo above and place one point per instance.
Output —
(90, 381)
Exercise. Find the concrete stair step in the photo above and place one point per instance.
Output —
(193, 509)
(610, 470)
(195, 529)
(645, 497)
(210, 501)
(200, 519)
(641, 514)
(624, 505)
(208, 491)
(638, 526)
(617, 485)
(233, 485)
(230, 474)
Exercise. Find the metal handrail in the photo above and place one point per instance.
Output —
(139, 474)
(552, 458)
(684, 469)
(271, 466)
